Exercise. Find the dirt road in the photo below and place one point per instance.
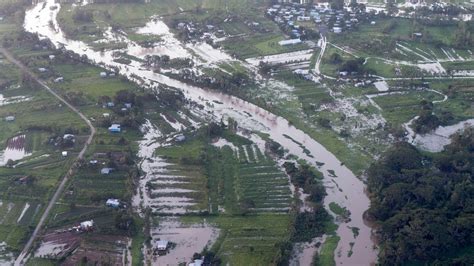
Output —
(57, 193)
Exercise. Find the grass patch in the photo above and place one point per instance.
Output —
(326, 256)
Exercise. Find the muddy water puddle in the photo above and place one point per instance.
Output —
(189, 239)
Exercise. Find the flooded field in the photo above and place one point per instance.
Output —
(436, 140)
(98, 249)
(10, 100)
(15, 150)
(6, 257)
(189, 239)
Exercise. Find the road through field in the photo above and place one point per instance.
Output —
(57, 193)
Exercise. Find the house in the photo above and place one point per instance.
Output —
(337, 29)
(24, 180)
(42, 69)
(106, 171)
(10, 118)
(180, 138)
(93, 162)
(64, 153)
(289, 42)
(343, 73)
(105, 115)
(110, 104)
(87, 225)
(70, 137)
(161, 245)
(51, 57)
(372, 22)
(103, 74)
(114, 203)
(196, 262)
(114, 128)
(60, 79)
(128, 105)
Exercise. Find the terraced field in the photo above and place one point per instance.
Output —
(252, 240)
(261, 182)
(177, 188)
(243, 179)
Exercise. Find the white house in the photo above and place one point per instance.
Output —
(162, 245)
(10, 118)
(106, 171)
(289, 42)
(197, 262)
(114, 203)
(115, 128)
(87, 225)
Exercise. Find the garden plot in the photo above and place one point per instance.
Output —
(399, 107)
(15, 218)
(169, 186)
(176, 189)
(13, 99)
(15, 150)
(261, 235)
(89, 186)
(285, 58)
(259, 183)
(6, 257)
(18, 213)
(98, 249)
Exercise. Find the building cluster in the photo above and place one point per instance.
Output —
(297, 18)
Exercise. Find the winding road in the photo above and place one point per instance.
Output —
(57, 193)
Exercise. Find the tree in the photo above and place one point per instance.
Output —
(335, 58)
(337, 4)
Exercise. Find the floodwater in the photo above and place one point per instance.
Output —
(349, 191)
(15, 150)
(50, 249)
(303, 55)
(10, 100)
(189, 239)
(436, 140)
(6, 257)
(303, 252)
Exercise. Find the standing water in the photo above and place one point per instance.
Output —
(345, 189)
(15, 150)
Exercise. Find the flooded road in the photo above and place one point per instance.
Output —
(345, 189)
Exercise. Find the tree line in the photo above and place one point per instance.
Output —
(423, 204)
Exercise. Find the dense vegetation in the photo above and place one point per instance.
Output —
(424, 203)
